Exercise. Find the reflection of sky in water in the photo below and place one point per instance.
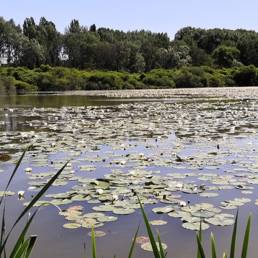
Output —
(194, 136)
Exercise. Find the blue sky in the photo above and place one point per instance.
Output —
(155, 15)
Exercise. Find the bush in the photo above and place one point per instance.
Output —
(22, 87)
(246, 76)
(46, 78)
(185, 79)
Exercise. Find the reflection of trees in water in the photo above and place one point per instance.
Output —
(10, 122)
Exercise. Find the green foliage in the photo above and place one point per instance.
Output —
(114, 50)
(130, 255)
(225, 56)
(22, 87)
(158, 253)
(191, 78)
(23, 247)
(46, 78)
(246, 76)
(246, 238)
(93, 241)
(201, 252)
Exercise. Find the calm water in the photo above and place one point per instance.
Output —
(213, 134)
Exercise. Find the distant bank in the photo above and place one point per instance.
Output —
(45, 78)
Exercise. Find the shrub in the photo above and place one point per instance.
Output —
(246, 76)
(22, 87)
(186, 79)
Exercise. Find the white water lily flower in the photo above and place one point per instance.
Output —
(182, 203)
(21, 194)
(28, 170)
(179, 185)
(99, 191)
(122, 162)
(115, 197)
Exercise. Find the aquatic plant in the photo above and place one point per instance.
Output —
(23, 245)
(158, 248)
(201, 253)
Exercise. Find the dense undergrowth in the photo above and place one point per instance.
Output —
(45, 78)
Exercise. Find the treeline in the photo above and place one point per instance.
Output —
(32, 45)
(46, 78)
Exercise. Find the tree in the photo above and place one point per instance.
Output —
(74, 27)
(199, 56)
(139, 63)
(93, 28)
(178, 55)
(225, 56)
(32, 54)
(49, 39)
(30, 28)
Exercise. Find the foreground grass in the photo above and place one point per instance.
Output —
(24, 244)
(159, 252)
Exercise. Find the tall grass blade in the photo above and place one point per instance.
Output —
(22, 249)
(233, 239)
(32, 241)
(246, 238)
(200, 238)
(2, 226)
(21, 238)
(213, 246)
(161, 250)
(200, 248)
(224, 255)
(150, 234)
(41, 193)
(93, 240)
(13, 174)
(3, 229)
(133, 243)
(33, 201)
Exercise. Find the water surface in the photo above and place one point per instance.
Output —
(214, 132)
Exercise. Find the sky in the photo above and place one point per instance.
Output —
(155, 15)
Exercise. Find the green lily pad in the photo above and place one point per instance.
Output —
(142, 240)
(98, 233)
(7, 193)
(72, 225)
(209, 194)
(158, 222)
(195, 225)
(147, 246)
(107, 219)
(122, 211)
(160, 210)
(222, 219)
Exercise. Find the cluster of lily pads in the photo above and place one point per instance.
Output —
(178, 158)
(116, 194)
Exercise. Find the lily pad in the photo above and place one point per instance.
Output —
(72, 225)
(98, 233)
(158, 222)
(195, 225)
(147, 246)
(160, 210)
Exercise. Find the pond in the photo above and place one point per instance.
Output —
(189, 154)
